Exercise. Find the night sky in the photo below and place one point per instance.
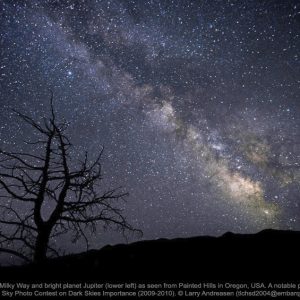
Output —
(196, 104)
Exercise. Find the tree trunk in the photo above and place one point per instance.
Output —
(41, 246)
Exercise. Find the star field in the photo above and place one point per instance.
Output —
(196, 103)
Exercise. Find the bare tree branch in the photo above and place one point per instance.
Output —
(15, 253)
(53, 179)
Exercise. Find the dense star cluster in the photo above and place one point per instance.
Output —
(196, 104)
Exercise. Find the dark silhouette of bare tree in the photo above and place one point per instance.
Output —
(46, 195)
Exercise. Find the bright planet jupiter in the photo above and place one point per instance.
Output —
(196, 104)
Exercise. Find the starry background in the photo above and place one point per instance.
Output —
(196, 103)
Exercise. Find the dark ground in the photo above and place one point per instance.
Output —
(267, 255)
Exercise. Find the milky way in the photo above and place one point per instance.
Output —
(196, 103)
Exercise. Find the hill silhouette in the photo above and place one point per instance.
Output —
(269, 254)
